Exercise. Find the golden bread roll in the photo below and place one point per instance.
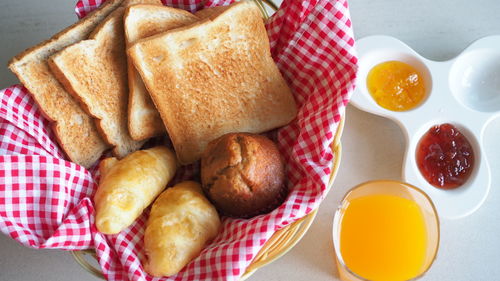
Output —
(180, 224)
(129, 185)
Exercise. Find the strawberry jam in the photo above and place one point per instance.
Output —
(445, 157)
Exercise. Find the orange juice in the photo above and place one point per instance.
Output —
(383, 237)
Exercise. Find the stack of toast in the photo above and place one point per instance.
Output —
(135, 69)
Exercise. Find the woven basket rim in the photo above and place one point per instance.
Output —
(286, 238)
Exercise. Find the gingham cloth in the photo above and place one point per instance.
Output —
(46, 201)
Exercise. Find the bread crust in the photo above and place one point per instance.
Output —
(211, 12)
(94, 72)
(74, 129)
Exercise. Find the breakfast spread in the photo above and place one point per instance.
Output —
(396, 85)
(128, 186)
(135, 71)
(203, 80)
(445, 157)
(180, 224)
(243, 174)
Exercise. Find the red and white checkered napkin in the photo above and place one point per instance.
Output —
(46, 201)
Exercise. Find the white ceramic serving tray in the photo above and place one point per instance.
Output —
(464, 91)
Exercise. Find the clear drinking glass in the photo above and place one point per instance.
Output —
(395, 188)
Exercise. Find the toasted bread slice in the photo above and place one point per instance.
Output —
(94, 71)
(141, 21)
(214, 77)
(74, 129)
(211, 12)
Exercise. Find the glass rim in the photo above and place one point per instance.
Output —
(336, 221)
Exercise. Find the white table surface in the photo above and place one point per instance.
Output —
(372, 146)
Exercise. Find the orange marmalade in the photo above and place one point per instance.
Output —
(396, 86)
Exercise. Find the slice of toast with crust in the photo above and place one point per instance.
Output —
(142, 21)
(74, 129)
(94, 71)
(214, 77)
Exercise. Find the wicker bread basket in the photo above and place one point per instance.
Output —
(283, 240)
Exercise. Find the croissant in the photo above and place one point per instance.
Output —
(130, 185)
(180, 224)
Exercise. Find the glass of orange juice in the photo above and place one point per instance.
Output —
(385, 230)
